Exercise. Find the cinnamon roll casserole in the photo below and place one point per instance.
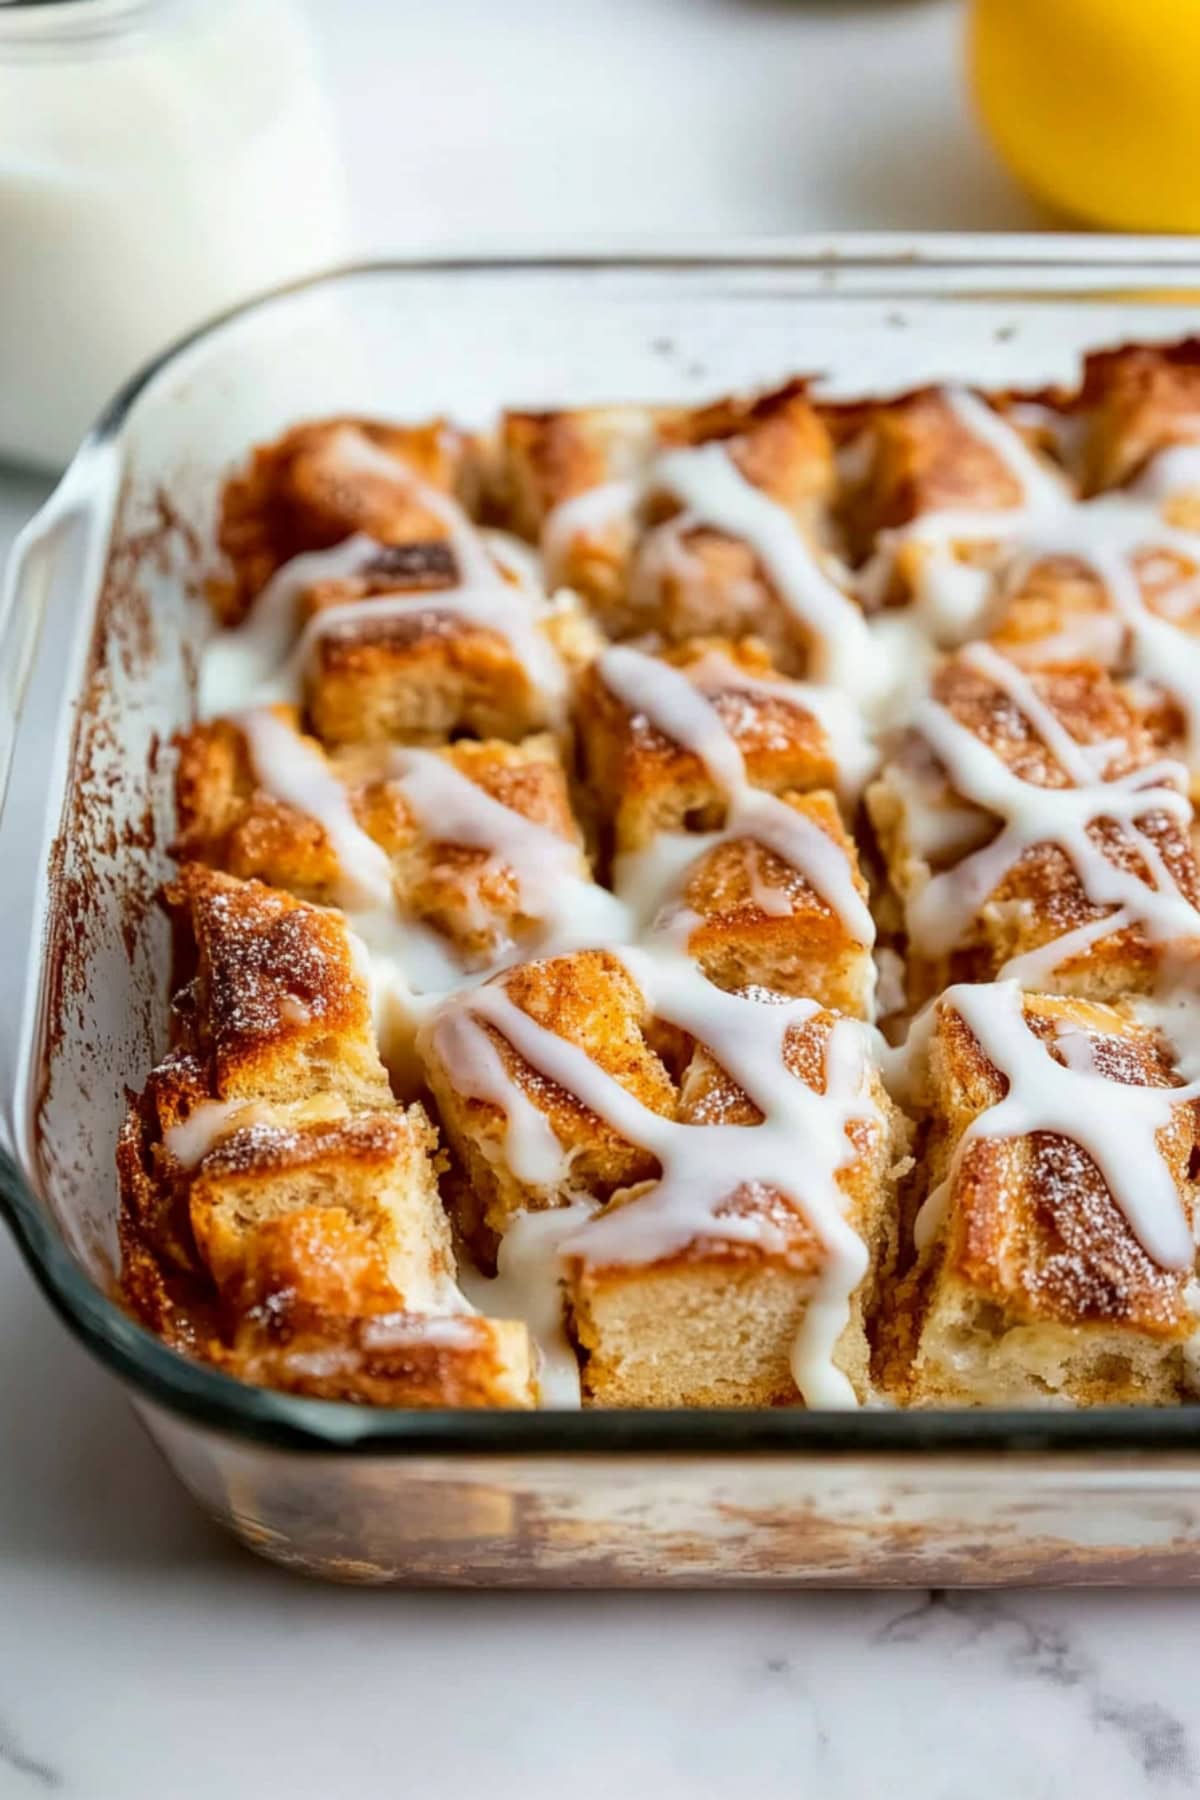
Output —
(694, 907)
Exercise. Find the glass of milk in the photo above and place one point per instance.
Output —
(159, 160)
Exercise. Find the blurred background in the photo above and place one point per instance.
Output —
(161, 159)
(662, 117)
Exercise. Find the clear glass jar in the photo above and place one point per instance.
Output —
(159, 160)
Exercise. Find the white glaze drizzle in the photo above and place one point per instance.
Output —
(569, 908)
(1173, 470)
(1041, 489)
(1105, 534)
(206, 1125)
(667, 700)
(703, 1166)
(1114, 1122)
(713, 492)
(1174, 1013)
(553, 884)
(531, 1149)
(855, 757)
(252, 662)
(592, 513)
(720, 497)
(262, 662)
(496, 606)
(297, 774)
(1034, 968)
(940, 914)
(546, 870)
(528, 1285)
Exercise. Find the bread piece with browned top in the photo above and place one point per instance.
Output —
(1031, 1285)
(714, 1318)
(1027, 824)
(281, 1214)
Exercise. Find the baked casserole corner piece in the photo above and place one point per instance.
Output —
(267, 1164)
(1028, 1283)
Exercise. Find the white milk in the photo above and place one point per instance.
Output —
(159, 160)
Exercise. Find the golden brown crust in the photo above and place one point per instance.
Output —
(421, 679)
(778, 440)
(391, 1359)
(277, 1005)
(469, 894)
(1137, 400)
(713, 1321)
(545, 458)
(1042, 896)
(275, 1197)
(644, 783)
(636, 564)
(1035, 1285)
(314, 487)
(915, 455)
(589, 1000)
(798, 944)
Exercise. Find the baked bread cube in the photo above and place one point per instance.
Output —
(642, 780)
(304, 1246)
(385, 612)
(761, 922)
(307, 1304)
(274, 1094)
(476, 841)
(392, 1359)
(735, 530)
(331, 1252)
(935, 484)
(402, 667)
(373, 1174)
(935, 450)
(327, 480)
(1029, 826)
(275, 1199)
(1123, 592)
(548, 460)
(725, 1308)
(707, 770)
(1054, 1256)
(686, 523)
(205, 1183)
(1136, 402)
(1143, 626)
(275, 1004)
(1060, 609)
(584, 1006)
(716, 1268)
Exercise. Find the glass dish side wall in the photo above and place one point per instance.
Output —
(112, 575)
(696, 1521)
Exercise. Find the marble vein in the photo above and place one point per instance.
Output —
(32, 1769)
(1158, 1740)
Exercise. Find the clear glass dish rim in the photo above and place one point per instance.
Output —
(218, 1402)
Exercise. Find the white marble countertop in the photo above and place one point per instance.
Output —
(140, 1653)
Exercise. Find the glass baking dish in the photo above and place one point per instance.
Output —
(101, 619)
